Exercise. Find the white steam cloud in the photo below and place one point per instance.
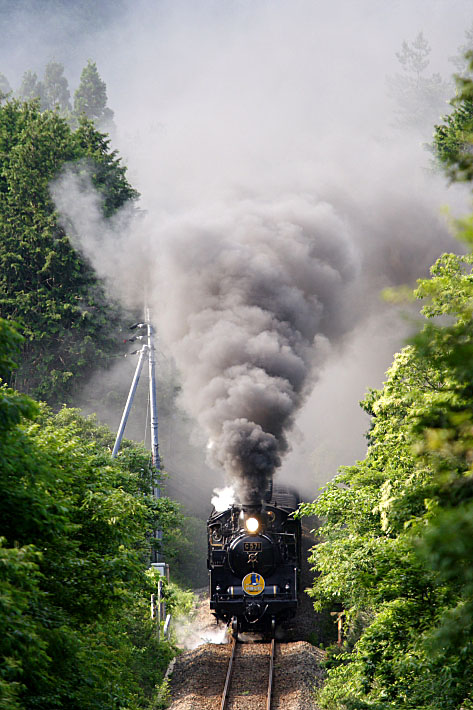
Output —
(223, 498)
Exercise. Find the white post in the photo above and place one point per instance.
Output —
(153, 606)
(159, 609)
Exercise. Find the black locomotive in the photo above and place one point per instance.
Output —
(254, 562)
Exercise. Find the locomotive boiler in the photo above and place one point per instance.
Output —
(254, 562)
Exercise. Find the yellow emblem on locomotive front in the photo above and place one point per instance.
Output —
(253, 584)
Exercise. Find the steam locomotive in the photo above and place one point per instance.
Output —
(254, 556)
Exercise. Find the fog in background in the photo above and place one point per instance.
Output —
(227, 111)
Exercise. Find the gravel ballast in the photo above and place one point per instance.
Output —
(198, 678)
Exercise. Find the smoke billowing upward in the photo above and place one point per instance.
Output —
(254, 298)
(280, 199)
(249, 301)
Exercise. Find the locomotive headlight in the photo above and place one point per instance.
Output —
(252, 525)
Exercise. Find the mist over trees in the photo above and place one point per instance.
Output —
(90, 98)
(460, 59)
(420, 96)
(55, 88)
(89, 101)
(69, 324)
(77, 529)
(30, 87)
(5, 87)
(395, 548)
(395, 555)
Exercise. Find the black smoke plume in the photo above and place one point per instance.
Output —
(250, 305)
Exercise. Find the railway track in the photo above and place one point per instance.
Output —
(249, 680)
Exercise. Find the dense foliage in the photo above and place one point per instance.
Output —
(45, 285)
(77, 527)
(75, 545)
(454, 137)
(396, 548)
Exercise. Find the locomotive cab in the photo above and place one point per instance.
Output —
(254, 563)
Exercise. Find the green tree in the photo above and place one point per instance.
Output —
(454, 137)
(76, 532)
(45, 285)
(395, 547)
(55, 88)
(5, 88)
(380, 555)
(31, 88)
(90, 98)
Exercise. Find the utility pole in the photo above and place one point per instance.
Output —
(153, 405)
(149, 350)
(153, 402)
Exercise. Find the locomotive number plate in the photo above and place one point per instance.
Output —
(252, 546)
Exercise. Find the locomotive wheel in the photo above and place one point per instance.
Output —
(234, 627)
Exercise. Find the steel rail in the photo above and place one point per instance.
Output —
(271, 673)
(228, 679)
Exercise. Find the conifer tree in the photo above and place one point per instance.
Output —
(5, 87)
(45, 285)
(420, 97)
(453, 138)
(414, 56)
(90, 99)
(460, 60)
(31, 88)
(55, 86)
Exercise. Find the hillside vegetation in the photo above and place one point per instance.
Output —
(76, 531)
(46, 286)
(396, 549)
(77, 528)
